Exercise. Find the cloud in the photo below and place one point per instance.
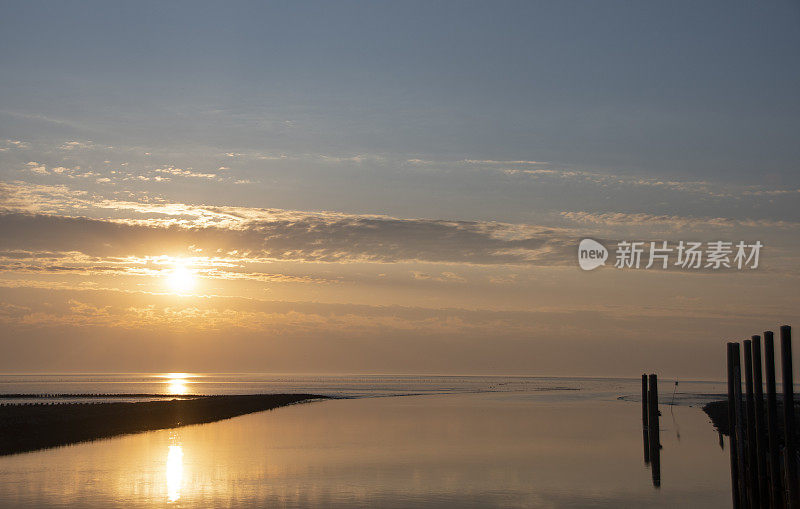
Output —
(53, 218)
(37, 168)
(186, 173)
(77, 265)
(444, 277)
(60, 219)
(71, 173)
(496, 162)
(358, 158)
(75, 145)
(13, 144)
(672, 221)
(771, 192)
(610, 179)
(281, 235)
(479, 162)
(63, 307)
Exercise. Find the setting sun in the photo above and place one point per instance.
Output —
(181, 279)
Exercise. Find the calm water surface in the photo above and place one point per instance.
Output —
(528, 443)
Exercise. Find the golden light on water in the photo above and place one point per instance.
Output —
(181, 279)
(177, 387)
(174, 472)
(177, 383)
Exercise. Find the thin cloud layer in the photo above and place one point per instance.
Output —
(312, 237)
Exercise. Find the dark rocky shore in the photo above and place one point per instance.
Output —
(37, 426)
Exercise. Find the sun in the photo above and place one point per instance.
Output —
(181, 279)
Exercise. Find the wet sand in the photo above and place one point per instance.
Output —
(38, 426)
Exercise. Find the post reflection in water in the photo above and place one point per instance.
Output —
(651, 428)
(174, 472)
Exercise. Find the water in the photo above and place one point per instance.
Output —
(448, 442)
(176, 384)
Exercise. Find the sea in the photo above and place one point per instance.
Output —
(382, 441)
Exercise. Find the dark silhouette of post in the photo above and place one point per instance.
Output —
(776, 480)
(645, 434)
(752, 453)
(654, 433)
(761, 431)
(738, 426)
(731, 431)
(790, 450)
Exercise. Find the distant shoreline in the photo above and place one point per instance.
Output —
(30, 427)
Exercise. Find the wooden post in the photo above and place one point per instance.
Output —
(761, 432)
(739, 425)
(652, 420)
(776, 480)
(732, 430)
(645, 434)
(790, 450)
(752, 454)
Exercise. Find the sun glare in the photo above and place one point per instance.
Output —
(181, 279)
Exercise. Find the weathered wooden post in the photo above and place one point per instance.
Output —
(790, 451)
(732, 431)
(652, 421)
(761, 432)
(752, 453)
(738, 427)
(776, 480)
(645, 433)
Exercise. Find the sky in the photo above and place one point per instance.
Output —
(392, 187)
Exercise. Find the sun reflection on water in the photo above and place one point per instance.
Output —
(177, 387)
(177, 384)
(174, 472)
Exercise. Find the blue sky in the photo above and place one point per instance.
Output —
(678, 89)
